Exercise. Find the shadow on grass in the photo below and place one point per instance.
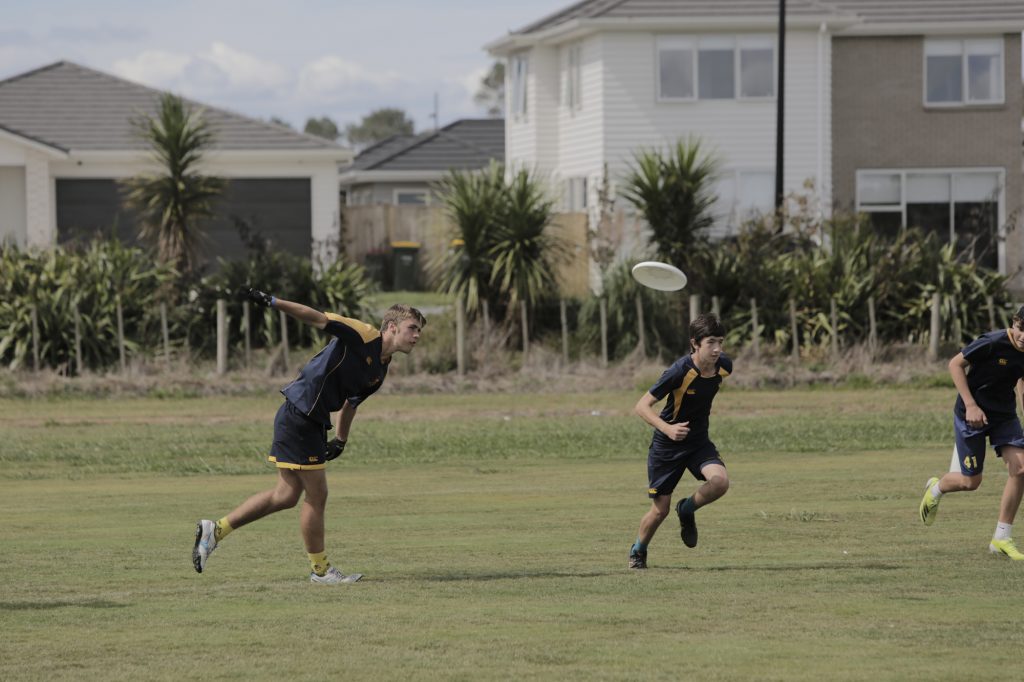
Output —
(838, 566)
(509, 575)
(43, 605)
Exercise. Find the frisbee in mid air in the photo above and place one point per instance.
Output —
(660, 276)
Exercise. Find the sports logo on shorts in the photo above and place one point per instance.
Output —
(1003, 361)
(652, 491)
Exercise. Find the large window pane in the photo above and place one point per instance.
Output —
(944, 79)
(976, 225)
(931, 217)
(984, 78)
(756, 73)
(676, 73)
(878, 189)
(928, 188)
(886, 223)
(715, 74)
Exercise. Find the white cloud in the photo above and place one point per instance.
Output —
(245, 71)
(218, 70)
(155, 68)
(324, 77)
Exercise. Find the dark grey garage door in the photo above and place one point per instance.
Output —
(274, 209)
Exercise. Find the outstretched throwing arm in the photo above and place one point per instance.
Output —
(302, 313)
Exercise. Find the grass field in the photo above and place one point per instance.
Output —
(493, 532)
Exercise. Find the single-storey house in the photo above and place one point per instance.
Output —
(67, 137)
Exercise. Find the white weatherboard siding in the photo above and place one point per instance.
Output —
(620, 114)
(580, 130)
(740, 132)
(531, 141)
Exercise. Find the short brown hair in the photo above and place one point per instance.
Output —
(399, 313)
(704, 326)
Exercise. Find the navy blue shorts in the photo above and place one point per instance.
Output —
(299, 442)
(970, 442)
(665, 469)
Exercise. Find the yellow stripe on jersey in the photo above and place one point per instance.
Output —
(677, 395)
(723, 372)
(367, 332)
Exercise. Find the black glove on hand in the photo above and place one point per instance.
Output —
(334, 448)
(256, 296)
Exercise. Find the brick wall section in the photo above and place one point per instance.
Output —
(879, 121)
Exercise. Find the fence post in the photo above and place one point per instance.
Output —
(166, 334)
(834, 321)
(991, 307)
(794, 330)
(755, 336)
(526, 330)
(565, 331)
(694, 307)
(120, 333)
(284, 338)
(642, 341)
(35, 338)
(716, 308)
(603, 309)
(957, 329)
(248, 334)
(933, 339)
(487, 318)
(460, 335)
(78, 339)
(222, 336)
(872, 327)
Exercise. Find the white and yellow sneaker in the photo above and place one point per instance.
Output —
(206, 542)
(1007, 548)
(929, 503)
(334, 577)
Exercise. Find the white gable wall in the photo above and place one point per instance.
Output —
(531, 141)
(580, 131)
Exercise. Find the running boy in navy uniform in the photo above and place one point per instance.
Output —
(342, 375)
(986, 373)
(681, 442)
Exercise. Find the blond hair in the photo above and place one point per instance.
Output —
(399, 313)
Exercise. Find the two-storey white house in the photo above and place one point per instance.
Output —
(871, 96)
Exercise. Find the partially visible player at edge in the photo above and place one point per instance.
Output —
(986, 373)
(342, 375)
(681, 441)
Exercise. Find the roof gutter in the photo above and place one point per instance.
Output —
(359, 177)
(579, 28)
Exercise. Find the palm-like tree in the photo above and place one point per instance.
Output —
(673, 192)
(525, 252)
(473, 202)
(173, 202)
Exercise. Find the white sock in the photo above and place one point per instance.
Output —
(936, 493)
(1003, 531)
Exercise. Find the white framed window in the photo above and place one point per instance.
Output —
(518, 69)
(742, 194)
(963, 72)
(715, 67)
(574, 198)
(411, 197)
(572, 93)
(962, 206)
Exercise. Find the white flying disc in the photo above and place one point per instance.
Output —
(660, 276)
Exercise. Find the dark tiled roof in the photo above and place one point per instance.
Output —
(76, 108)
(876, 12)
(465, 144)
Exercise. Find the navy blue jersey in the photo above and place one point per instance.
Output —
(689, 400)
(996, 366)
(348, 368)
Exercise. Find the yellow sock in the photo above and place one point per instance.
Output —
(222, 529)
(319, 562)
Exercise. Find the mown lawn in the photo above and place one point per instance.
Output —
(493, 532)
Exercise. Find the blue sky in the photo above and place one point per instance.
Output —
(293, 60)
